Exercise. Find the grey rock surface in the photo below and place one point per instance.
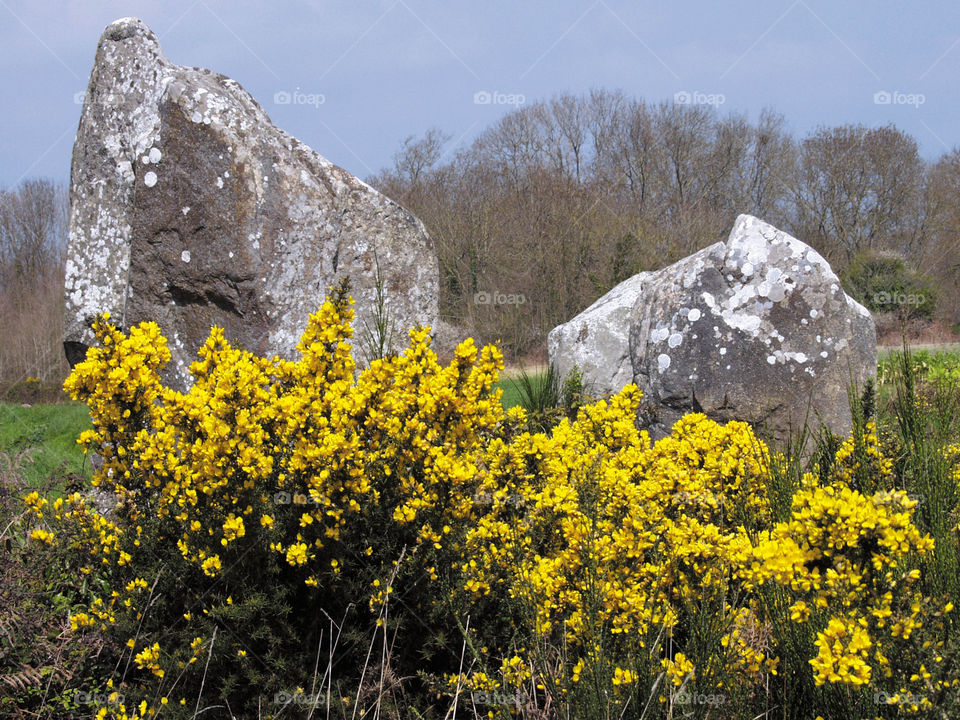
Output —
(597, 341)
(190, 208)
(756, 329)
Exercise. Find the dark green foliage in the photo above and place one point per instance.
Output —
(882, 282)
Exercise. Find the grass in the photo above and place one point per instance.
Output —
(48, 433)
(511, 393)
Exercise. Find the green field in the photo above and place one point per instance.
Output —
(511, 394)
(42, 440)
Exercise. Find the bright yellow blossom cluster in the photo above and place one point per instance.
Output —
(678, 670)
(843, 653)
(610, 542)
(253, 434)
(600, 532)
(302, 460)
(147, 659)
(841, 554)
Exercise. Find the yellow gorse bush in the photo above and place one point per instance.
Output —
(841, 553)
(611, 539)
(254, 435)
(314, 482)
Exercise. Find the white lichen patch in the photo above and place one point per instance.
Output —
(663, 362)
(150, 179)
(185, 256)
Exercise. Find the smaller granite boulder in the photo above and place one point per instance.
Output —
(756, 329)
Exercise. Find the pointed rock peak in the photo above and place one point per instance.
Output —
(125, 40)
(747, 222)
(128, 27)
(749, 228)
(757, 329)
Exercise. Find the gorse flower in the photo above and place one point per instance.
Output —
(408, 477)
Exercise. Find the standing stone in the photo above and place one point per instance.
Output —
(190, 208)
(597, 341)
(756, 329)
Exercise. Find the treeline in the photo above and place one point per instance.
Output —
(560, 200)
(33, 234)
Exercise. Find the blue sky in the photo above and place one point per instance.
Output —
(362, 75)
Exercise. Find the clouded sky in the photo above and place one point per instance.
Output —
(353, 78)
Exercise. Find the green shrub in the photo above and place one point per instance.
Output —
(881, 282)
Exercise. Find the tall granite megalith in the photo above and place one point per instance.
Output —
(190, 208)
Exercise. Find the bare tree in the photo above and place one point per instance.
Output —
(33, 224)
(858, 188)
(33, 228)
